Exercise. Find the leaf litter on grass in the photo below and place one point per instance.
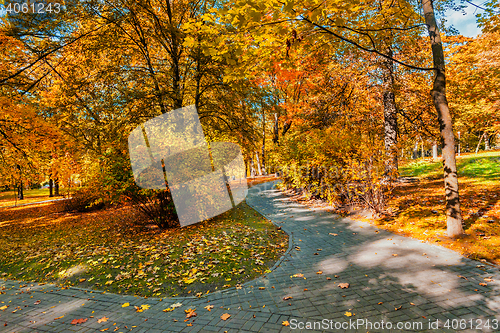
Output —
(105, 250)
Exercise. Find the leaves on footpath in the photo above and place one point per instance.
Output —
(79, 321)
(141, 308)
(190, 313)
(225, 316)
(102, 320)
(344, 285)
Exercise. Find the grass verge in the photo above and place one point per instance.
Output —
(106, 250)
(419, 208)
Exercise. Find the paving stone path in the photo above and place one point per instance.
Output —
(392, 280)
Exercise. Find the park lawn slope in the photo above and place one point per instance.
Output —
(105, 250)
(419, 208)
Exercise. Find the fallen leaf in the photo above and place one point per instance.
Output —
(482, 284)
(319, 272)
(104, 330)
(168, 310)
(328, 278)
(175, 305)
(463, 277)
(394, 255)
(190, 324)
(398, 308)
(488, 280)
(3, 307)
(190, 313)
(209, 307)
(380, 303)
(331, 233)
(37, 302)
(305, 289)
(58, 317)
(102, 320)
(348, 314)
(298, 275)
(412, 303)
(262, 288)
(125, 305)
(225, 316)
(78, 321)
(344, 285)
(82, 280)
(285, 323)
(286, 298)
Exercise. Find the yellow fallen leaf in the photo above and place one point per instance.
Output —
(285, 323)
(58, 317)
(125, 305)
(348, 314)
(168, 310)
(4, 307)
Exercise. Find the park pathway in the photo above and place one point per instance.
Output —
(391, 278)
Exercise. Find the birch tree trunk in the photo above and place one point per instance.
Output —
(390, 118)
(435, 151)
(258, 163)
(438, 93)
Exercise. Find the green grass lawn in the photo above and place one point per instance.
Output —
(105, 250)
(8, 198)
(484, 166)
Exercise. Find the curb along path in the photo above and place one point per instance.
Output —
(391, 279)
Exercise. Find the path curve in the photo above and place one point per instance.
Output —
(391, 279)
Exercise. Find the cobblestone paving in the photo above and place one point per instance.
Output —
(392, 279)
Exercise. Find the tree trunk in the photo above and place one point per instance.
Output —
(56, 187)
(20, 191)
(263, 142)
(252, 168)
(258, 163)
(438, 93)
(390, 118)
(276, 130)
(479, 144)
(415, 151)
(435, 151)
(486, 141)
(51, 188)
(423, 152)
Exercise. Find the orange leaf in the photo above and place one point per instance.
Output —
(78, 321)
(285, 323)
(102, 320)
(225, 316)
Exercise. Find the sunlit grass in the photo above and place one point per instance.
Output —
(419, 208)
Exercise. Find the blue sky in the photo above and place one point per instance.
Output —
(466, 24)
